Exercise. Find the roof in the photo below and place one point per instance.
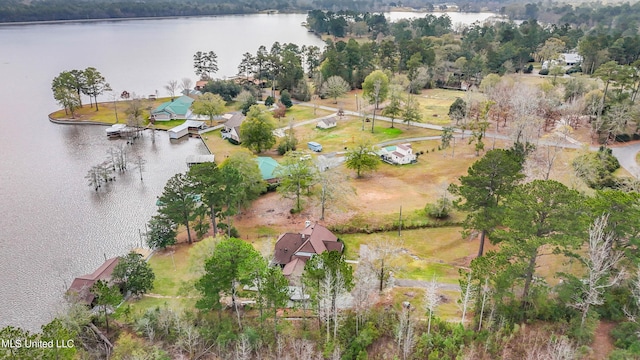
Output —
(406, 146)
(572, 58)
(314, 239)
(295, 267)
(398, 154)
(187, 124)
(317, 235)
(235, 120)
(328, 121)
(267, 166)
(177, 106)
(82, 284)
(199, 159)
(286, 245)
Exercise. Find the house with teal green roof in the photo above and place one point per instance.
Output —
(268, 167)
(176, 109)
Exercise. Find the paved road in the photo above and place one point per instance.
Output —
(627, 157)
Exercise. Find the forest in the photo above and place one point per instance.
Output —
(554, 227)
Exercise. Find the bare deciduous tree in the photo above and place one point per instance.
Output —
(525, 104)
(172, 87)
(186, 84)
(405, 330)
(600, 261)
(380, 258)
(431, 300)
(364, 294)
(467, 296)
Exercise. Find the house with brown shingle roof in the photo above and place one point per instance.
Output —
(81, 285)
(292, 250)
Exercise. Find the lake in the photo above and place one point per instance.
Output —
(54, 226)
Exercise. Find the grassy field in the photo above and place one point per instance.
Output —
(435, 104)
(301, 113)
(349, 131)
(425, 252)
(220, 147)
(171, 286)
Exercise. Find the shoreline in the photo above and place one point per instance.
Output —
(95, 20)
(68, 121)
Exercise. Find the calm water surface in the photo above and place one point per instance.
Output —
(53, 227)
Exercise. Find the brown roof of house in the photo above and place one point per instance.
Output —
(314, 239)
(404, 146)
(317, 235)
(82, 284)
(295, 267)
(286, 245)
(400, 155)
(334, 245)
(234, 121)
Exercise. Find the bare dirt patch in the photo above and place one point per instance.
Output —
(602, 343)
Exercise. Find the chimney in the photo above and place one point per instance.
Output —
(307, 223)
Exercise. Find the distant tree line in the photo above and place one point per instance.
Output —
(49, 10)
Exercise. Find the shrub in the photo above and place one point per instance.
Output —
(269, 101)
(234, 232)
(544, 72)
(626, 334)
(280, 111)
(439, 210)
(574, 69)
(528, 69)
(285, 98)
(287, 144)
(583, 334)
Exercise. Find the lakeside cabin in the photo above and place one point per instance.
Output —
(175, 109)
(186, 128)
(81, 285)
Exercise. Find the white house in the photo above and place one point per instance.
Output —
(571, 59)
(231, 130)
(401, 154)
(327, 123)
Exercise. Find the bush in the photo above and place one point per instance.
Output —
(625, 335)
(280, 111)
(269, 101)
(301, 91)
(596, 169)
(439, 210)
(287, 144)
(583, 334)
(574, 69)
(285, 98)
(528, 69)
(234, 232)
(544, 72)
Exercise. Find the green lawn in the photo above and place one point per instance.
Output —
(166, 125)
(301, 113)
(220, 147)
(426, 252)
(349, 131)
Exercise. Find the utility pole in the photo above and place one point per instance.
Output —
(400, 222)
